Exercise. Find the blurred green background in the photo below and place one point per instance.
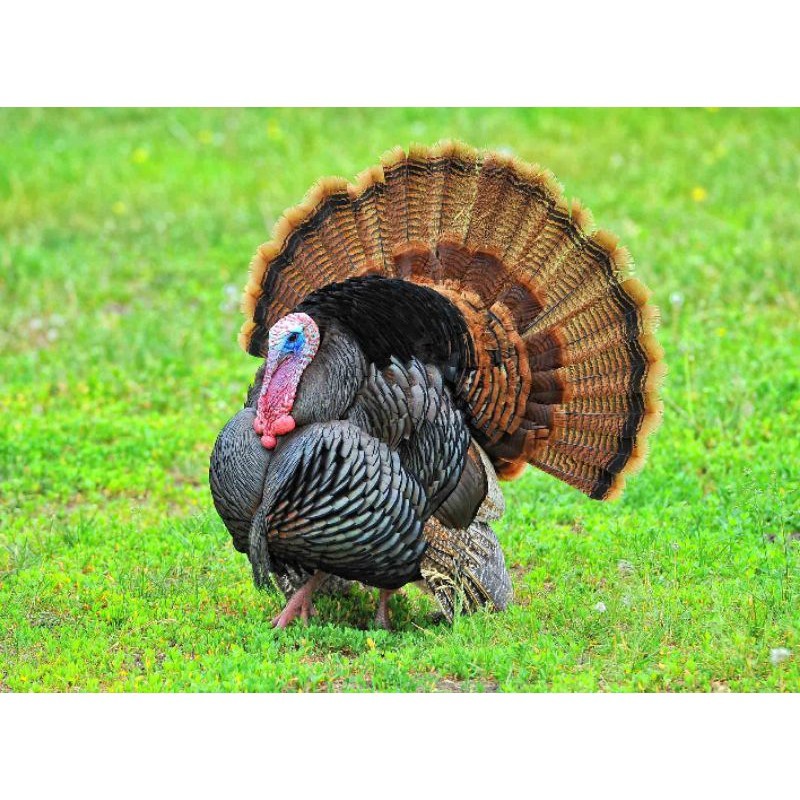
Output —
(125, 237)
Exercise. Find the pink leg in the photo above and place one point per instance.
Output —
(300, 603)
(382, 619)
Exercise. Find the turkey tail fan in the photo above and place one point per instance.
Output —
(561, 368)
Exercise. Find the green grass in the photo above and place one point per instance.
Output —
(124, 242)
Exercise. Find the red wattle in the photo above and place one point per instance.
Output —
(273, 413)
(284, 424)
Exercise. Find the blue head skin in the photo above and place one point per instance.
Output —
(293, 342)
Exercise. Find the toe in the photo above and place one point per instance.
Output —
(282, 620)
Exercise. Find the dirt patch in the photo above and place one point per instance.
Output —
(578, 528)
(794, 536)
(139, 662)
(44, 619)
(348, 684)
(519, 571)
(450, 685)
(186, 476)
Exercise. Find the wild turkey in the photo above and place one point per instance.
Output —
(446, 319)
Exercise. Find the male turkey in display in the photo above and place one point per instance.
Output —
(445, 320)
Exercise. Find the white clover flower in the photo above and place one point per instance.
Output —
(676, 299)
(778, 654)
(601, 607)
(231, 293)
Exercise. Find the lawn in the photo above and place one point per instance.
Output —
(125, 237)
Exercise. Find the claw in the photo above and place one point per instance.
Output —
(300, 604)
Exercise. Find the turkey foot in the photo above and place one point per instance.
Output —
(382, 619)
(300, 603)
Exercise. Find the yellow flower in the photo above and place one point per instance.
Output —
(274, 132)
(699, 194)
(370, 643)
(140, 155)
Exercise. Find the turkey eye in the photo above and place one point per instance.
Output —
(292, 338)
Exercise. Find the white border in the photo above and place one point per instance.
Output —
(390, 745)
(412, 52)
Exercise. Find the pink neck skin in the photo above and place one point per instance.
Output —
(277, 397)
(287, 357)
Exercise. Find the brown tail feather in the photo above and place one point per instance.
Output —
(566, 368)
(465, 569)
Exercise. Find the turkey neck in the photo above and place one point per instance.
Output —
(331, 381)
(277, 395)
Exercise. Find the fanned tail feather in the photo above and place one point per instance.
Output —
(562, 369)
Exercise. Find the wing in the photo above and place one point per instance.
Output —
(339, 500)
(409, 407)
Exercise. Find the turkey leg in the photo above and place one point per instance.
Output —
(300, 603)
(382, 619)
